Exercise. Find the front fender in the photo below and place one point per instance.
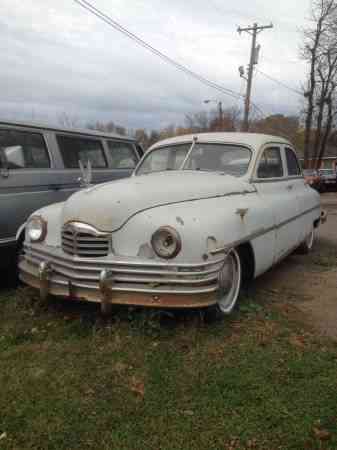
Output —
(204, 226)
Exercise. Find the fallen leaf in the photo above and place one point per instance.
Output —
(188, 412)
(137, 386)
(321, 434)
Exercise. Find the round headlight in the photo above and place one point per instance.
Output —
(166, 242)
(37, 229)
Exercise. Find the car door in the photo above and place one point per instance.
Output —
(277, 193)
(27, 177)
(307, 198)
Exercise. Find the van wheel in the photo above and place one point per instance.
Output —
(307, 245)
(229, 279)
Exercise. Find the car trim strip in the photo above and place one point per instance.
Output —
(8, 240)
(261, 232)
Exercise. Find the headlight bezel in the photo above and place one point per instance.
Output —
(44, 228)
(157, 241)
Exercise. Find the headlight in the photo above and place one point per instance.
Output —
(166, 242)
(37, 229)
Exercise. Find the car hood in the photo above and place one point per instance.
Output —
(108, 206)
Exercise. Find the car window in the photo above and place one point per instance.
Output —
(166, 158)
(270, 165)
(292, 162)
(122, 155)
(75, 149)
(23, 150)
(225, 158)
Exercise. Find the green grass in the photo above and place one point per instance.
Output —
(71, 380)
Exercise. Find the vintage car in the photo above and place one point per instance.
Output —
(201, 215)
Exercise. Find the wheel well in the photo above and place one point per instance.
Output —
(247, 258)
(20, 239)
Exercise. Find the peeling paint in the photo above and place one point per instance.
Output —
(146, 251)
(180, 220)
(211, 243)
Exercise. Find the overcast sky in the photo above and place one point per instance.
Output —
(56, 57)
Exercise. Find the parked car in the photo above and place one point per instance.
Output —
(313, 178)
(39, 165)
(329, 178)
(201, 215)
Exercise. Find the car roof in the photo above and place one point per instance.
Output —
(253, 140)
(39, 125)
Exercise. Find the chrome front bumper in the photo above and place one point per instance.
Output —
(120, 280)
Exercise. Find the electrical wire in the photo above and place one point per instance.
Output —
(281, 83)
(108, 20)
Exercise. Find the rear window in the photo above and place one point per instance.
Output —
(292, 163)
(23, 150)
(75, 149)
(122, 155)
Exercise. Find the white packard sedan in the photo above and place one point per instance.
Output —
(201, 215)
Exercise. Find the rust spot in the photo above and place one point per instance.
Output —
(211, 243)
(180, 220)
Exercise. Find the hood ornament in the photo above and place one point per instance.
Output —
(86, 178)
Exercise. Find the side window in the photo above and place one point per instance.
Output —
(270, 165)
(74, 149)
(23, 150)
(122, 155)
(292, 162)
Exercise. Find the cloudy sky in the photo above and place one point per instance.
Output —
(55, 57)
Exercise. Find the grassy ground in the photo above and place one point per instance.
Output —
(71, 380)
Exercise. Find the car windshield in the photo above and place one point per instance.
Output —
(225, 158)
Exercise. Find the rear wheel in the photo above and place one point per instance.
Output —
(307, 245)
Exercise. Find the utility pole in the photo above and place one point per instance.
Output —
(253, 31)
(220, 116)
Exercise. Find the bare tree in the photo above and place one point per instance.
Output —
(319, 51)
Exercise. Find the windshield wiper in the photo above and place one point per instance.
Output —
(194, 141)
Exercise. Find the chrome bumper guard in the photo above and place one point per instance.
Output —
(120, 280)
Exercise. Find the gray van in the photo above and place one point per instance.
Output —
(40, 165)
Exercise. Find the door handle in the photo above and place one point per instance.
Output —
(289, 187)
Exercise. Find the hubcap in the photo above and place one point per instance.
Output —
(229, 282)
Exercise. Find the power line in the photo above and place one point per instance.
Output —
(108, 20)
(281, 83)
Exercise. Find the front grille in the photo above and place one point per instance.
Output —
(85, 241)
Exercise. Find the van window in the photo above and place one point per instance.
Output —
(23, 150)
(270, 165)
(122, 155)
(75, 149)
(292, 163)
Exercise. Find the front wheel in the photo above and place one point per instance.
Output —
(229, 280)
